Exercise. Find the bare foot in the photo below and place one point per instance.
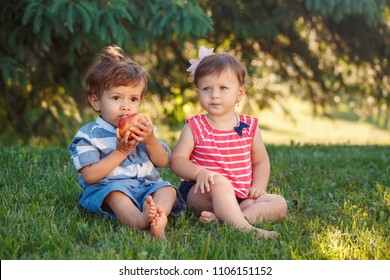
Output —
(149, 211)
(267, 234)
(207, 217)
(157, 226)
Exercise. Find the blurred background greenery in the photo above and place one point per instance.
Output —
(319, 68)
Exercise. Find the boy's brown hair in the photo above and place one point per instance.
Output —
(112, 69)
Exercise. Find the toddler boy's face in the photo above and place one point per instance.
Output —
(117, 102)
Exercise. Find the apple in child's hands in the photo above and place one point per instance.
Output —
(126, 123)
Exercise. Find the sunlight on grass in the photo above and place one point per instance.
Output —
(338, 244)
(352, 234)
(277, 128)
(304, 128)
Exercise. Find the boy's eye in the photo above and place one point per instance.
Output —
(115, 97)
(134, 99)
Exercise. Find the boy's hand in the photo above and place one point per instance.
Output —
(145, 133)
(124, 145)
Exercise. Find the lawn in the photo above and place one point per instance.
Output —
(338, 198)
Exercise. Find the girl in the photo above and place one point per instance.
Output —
(118, 176)
(221, 155)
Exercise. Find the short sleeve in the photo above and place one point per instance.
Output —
(83, 152)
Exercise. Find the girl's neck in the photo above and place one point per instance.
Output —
(223, 122)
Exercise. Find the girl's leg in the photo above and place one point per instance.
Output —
(123, 207)
(221, 200)
(207, 217)
(267, 207)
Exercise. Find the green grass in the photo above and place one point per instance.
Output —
(338, 199)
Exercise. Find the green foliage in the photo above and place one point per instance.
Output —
(338, 9)
(324, 51)
(46, 46)
(338, 198)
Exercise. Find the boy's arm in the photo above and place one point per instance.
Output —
(93, 173)
(156, 151)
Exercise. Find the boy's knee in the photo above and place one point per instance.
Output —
(167, 191)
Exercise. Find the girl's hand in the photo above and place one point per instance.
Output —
(255, 192)
(204, 180)
(124, 145)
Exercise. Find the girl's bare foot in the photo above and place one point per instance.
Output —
(267, 234)
(157, 226)
(207, 217)
(149, 211)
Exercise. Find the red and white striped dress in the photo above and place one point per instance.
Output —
(225, 151)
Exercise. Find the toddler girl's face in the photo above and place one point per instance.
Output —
(117, 102)
(218, 93)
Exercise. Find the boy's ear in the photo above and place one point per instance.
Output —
(94, 101)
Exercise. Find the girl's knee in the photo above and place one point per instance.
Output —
(222, 182)
(281, 206)
(222, 186)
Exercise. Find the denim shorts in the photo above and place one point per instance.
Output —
(186, 186)
(93, 196)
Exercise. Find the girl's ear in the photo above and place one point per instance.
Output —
(241, 92)
(94, 101)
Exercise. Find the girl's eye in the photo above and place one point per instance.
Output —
(115, 97)
(134, 99)
(224, 88)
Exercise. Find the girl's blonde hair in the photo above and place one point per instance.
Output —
(216, 63)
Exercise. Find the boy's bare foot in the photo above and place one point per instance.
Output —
(267, 234)
(207, 217)
(149, 211)
(157, 226)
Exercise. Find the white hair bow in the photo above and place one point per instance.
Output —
(202, 53)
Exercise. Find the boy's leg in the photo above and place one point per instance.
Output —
(267, 207)
(125, 210)
(157, 226)
(164, 198)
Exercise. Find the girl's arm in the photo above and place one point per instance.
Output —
(260, 164)
(180, 162)
(182, 166)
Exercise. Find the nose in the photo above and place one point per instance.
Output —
(125, 105)
(215, 94)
